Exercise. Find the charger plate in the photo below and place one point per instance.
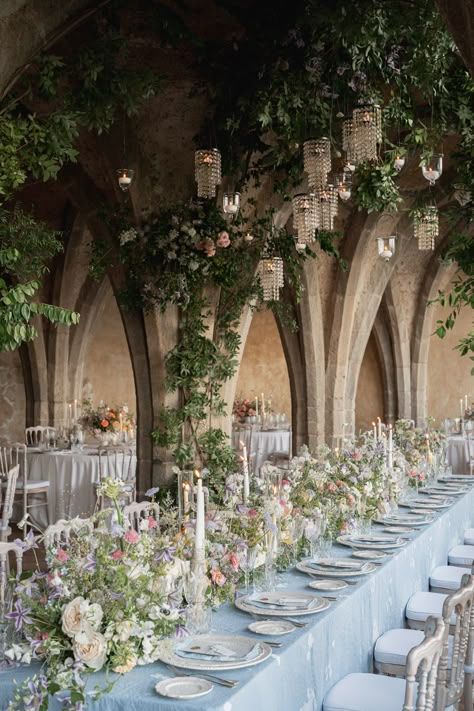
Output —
(245, 603)
(304, 566)
(239, 643)
(359, 542)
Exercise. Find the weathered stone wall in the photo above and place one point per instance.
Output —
(263, 367)
(12, 398)
(369, 398)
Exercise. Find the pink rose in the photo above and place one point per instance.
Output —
(218, 577)
(132, 536)
(251, 513)
(412, 473)
(116, 555)
(223, 239)
(331, 486)
(209, 247)
(422, 476)
(356, 455)
(151, 522)
(234, 561)
(61, 555)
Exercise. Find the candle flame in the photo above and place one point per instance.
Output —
(242, 444)
(197, 473)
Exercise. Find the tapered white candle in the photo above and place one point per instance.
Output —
(465, 402)
(375, 431)
(200, 518)
(256, 406)
(70, 415)
(263, 406)
(186, 498)
(75, 410)
(379, 427)
(390, 447)
(460, 405)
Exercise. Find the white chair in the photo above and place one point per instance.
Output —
(392, 648)
(470, 445)
(15, 454)
(59, 533)
(375, 692)
(116, 462)
(469, 537)
(39, 435)
(446, 579)
(461, 556)
(140, 511)
(7, 495)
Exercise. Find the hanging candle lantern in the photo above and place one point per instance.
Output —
(207, 171)
(367, 131)
(317, 161)
(326, 207)
(348, 144)
(248, 237)
(399, 162)
(270, 271)
(386, 247)
(231, 203)
(432, 167)
(343, 183)
(124, 177)
(305, 217)
(426, 227)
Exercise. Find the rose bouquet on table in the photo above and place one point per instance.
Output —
(105, 419)
(243, 408)
(107, 600)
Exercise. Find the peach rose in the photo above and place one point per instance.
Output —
(127, 666)
(90, 648)
(105, 423)
(223, 240)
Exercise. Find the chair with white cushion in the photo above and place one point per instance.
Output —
(469, 537)
(138, 513)
(39, 435)
(13, 455)
(422, 605)
(116, 462)
(375, 692)
(446, 578)
(59, 533)
(7, 495)
(392, 648)
(461, 555)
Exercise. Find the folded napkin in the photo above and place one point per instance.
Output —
(284, 603)
(337, 564)
(214, 651)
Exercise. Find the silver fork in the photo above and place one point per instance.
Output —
(229, 683)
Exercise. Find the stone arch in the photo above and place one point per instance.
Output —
(385, 350)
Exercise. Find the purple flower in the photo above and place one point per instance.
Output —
(27, 543)
(270, 525)
(37, 689)
(242, 509)
(181, 632)
(20, 615)
(167, 555)
(91, 564)
(151, 492)
(116, 596)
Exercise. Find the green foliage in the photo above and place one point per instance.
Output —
(375, 189)
(26, 246)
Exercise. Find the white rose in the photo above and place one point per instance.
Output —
(123, 630)
(94, 614)
(128, 666)
(72, 617)
(90, 648)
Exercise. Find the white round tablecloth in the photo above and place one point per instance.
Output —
(458, 454)
(261, 443)
(72, 476)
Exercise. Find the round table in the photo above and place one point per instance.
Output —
(72, 476)
(261, 442)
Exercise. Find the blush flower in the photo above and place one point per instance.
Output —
(223, 239)
(218, 577)
(132, 536)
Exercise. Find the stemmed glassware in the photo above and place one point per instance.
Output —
(198, 616)
(247, 561)
(296, 527)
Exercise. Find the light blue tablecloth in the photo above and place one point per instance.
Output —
(334, 643)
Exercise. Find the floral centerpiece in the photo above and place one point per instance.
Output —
(107, 600)
(243, 408)
(104, 420)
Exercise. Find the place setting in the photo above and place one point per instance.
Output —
(371, 540)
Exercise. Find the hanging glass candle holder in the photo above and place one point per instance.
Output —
(386, 247)
(432, 167)
(305, 217)
(399, 162)
(326, 207)
(270, 271)
(462, 194)
(348, 144)
(317, 161)
(207, 171)
(343, 183)
(231, 203)
(426, 227)
(248, 237)
(124, 177)
(367, 131)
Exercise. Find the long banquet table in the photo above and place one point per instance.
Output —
(335, 642)
(71, 477)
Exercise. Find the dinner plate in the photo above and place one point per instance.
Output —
(420, 503)
(184, 687)
(355, 542)
(271, 627)
(399, 529)
(313, 568)
(369, 555)
(240, 644)
(328, 585)
(411, 519)
(447, 490)
(257, 604)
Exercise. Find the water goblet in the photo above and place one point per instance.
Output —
(247, 561)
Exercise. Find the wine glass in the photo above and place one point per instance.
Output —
(247, 560)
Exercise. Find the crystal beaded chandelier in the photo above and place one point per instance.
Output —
(305, 217)
(207, 171)
(270, 271)
(317, 161)
(367, 132)
(426, 227)
(326, 207)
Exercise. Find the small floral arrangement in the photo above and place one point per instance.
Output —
(243, 408)
(416, 477)
(106, 601)
(104, 418)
